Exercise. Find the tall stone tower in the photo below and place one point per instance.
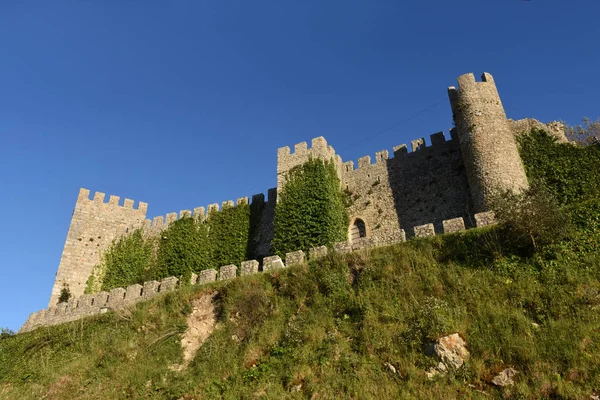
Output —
(94, 225)
(488, 146)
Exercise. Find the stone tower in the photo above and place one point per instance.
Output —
(94, 225)
(286, 160)
(487, 143)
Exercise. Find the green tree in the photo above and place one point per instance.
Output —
(310, 209)
(586, 133)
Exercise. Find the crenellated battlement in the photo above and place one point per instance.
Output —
(286, 159)
(160, 223)
(88, 305)
(95, 224)
(100, 197)
(418, 147)
(423, 187)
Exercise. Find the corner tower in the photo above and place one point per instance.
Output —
(94, 225)
(488, 146)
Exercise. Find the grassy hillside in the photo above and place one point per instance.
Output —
(325, 330)
(331, 326)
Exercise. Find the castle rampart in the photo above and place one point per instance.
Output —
(390, 193)
(86, 305)
(94, 225)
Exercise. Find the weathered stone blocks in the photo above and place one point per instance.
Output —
(100, 299)
(193, 278)
(206, 276)
(133, 293)
(116, 298)
(453, 225)
(342, 247)
(249, 267)
(227, 272)
(317, 252)
(272, 263)
(294, 257)
(168, 284)
(424, 230)
(150, 289)
(484, 219)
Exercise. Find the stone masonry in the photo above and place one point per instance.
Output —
(409, 191)
(93, 304)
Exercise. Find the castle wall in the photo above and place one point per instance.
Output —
(426, 185)
(447, 180)
(526, 125)
(119, 298)
(94, 225)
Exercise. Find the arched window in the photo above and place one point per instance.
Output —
(358, 230)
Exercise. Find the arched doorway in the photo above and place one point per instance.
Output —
(358, 230)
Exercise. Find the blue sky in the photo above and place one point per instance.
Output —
(184, 103)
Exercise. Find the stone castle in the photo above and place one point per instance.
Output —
(416, 191)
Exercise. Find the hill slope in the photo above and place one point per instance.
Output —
(327, 329)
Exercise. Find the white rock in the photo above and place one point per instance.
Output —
(450, 350)
(391, 368)
(504, 378)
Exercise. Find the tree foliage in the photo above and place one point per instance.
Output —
(532, 218)
(586, 133)
(310, 211)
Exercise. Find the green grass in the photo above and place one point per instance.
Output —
(331, 326)
(325, 330)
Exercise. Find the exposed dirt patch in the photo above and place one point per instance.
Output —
(59, 388)
(201, 324)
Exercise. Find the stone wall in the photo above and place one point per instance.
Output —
(86, 305)
(94, 225)
(526, 125)
(391, 194)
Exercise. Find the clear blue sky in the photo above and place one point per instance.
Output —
(184, 103)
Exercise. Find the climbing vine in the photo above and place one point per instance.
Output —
(126, 261)
(310, 211)
(229, 235)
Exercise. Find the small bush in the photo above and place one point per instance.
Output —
(6, 333)
(65, 294)
(532, 217)
(586, 133)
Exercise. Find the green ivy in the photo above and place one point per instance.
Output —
(183, 248)
(310, 209)
(229, 232)
(568, 171)
(127, 261)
